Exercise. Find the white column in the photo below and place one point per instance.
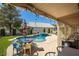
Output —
(59, 35)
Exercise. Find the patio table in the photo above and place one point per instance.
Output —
(68, 51)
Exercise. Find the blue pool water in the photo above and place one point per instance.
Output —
(36, 38)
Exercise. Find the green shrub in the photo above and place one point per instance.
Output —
(14, 31)
(44, 30)
(2, 32)
(49, 30)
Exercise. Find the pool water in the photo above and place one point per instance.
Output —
(36, 38)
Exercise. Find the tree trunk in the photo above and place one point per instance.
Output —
(10, 29)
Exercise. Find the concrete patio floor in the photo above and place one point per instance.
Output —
(42, 48)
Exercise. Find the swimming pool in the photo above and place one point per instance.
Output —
(36, 38)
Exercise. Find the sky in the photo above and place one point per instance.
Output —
(32, 17)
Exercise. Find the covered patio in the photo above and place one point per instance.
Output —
(67, 15)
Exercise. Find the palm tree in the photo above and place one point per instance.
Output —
(12, 16)
(2, 24)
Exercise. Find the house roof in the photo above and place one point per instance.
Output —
(38, 24)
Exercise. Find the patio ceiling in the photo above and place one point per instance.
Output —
(64, 12)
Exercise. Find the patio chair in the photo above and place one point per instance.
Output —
(50, 54)
(59, 48)
(17, 46)
(27, 47)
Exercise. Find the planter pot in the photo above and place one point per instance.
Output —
(66, 44)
